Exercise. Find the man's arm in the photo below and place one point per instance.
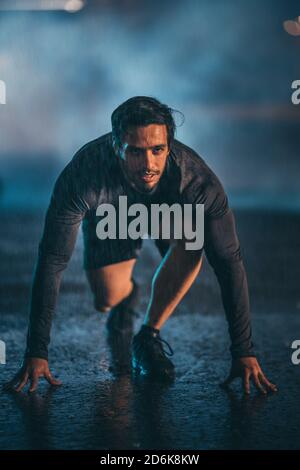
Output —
(72, 197)
(63, 218)
(65, 212)
(222, 248)
(223, 252)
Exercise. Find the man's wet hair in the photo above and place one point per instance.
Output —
(141, 111)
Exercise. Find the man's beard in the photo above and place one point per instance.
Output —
(138, 187)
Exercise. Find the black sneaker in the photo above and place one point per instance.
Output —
(121, 317)
(149, 357)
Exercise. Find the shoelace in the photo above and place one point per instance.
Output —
(160, 340)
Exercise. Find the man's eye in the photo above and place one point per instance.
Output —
(157, 151)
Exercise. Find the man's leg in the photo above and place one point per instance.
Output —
(173, 278)
(111, 284)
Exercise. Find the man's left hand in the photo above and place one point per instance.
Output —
(248, 368)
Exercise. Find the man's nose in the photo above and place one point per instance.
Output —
(148, 160)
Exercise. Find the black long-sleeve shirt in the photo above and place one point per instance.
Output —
(93, 177)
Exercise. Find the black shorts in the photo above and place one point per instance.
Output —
(99, 253)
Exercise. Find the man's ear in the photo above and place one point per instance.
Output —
(115, 147)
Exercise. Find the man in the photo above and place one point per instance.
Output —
(141, 159)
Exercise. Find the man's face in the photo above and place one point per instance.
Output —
(143, 155)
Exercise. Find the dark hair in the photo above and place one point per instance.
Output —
(141, 111)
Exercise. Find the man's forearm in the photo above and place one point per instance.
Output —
(55, 250)
(223, 251)
(45, 289)
(234, 289)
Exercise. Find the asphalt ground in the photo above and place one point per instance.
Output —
(101, 405)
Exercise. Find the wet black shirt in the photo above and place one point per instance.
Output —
(93, 177)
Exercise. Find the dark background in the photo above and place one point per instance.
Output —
(228, 66)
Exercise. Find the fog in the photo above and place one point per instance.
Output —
(228, 66)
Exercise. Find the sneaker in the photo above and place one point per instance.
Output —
(149, 356)
(121, 317)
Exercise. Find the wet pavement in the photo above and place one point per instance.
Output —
(101, 405)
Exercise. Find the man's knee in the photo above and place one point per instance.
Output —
(102, 308)
(111, 284)
(105, 303)
(105, 300)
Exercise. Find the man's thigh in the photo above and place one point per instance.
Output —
(108, 264)
(111, 284)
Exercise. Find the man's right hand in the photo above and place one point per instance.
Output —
(32, 369)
